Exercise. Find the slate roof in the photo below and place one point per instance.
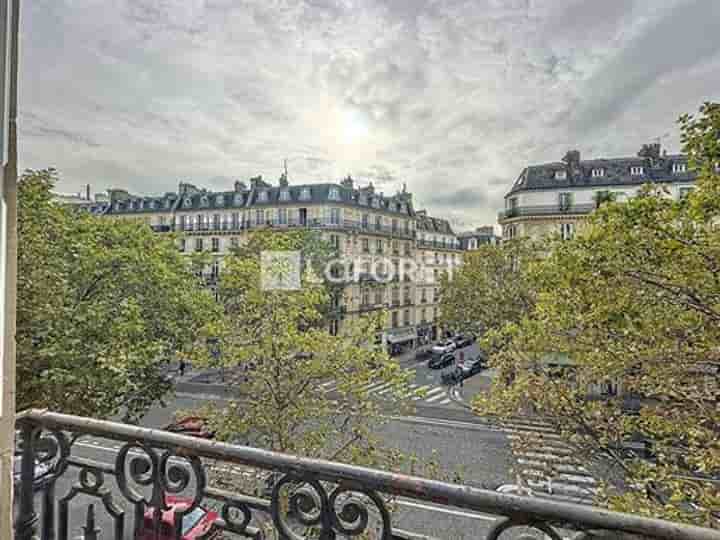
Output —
(266, 195)
(616, 173)
(432, 224)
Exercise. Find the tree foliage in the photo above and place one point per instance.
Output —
(101, 305)
(490, 289)
(634, 300)
(282, 337)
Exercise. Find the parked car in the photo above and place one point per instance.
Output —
(472, 367)
(462, 341)
(441, 361)
(195, 426)
(194, 526)
(444, 347)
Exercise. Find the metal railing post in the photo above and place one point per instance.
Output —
(26, 525)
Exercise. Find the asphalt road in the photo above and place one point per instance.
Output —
(449, 434)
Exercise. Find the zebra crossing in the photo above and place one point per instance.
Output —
(546, 464)
(431, 393)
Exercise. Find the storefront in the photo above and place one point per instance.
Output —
(400, 340)
(427, 333)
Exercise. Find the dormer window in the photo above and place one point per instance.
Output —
(238, 198)
(204, 202)
(187, 203)
(334, 194)
(560, 175)
(362, 199)
(118, 206)
(220, 200)
(375, 202)
(637, 170)
(285, 195)
(262, 196)
(168, 202)
(151, 204)
(679, 167)
(598, 173)
(305, 194)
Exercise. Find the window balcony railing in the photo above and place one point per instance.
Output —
(151, 471)
(294, 222)
(438, 245)
(546, 210)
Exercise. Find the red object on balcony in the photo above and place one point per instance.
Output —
(194, 426)
(194, 525)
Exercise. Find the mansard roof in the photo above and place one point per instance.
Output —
(615, 172)
(262, 194)
(432, 224)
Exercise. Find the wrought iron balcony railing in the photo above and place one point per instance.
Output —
(437, 244)
(289, 223)
(138, 493)
(546, 210)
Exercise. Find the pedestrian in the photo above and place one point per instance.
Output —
(182, 367)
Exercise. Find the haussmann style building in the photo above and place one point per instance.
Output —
(395, 254)
(555, 198)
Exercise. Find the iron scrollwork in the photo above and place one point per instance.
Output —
(344, 511)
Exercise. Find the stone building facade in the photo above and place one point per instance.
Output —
(396, 253)
(556, 198)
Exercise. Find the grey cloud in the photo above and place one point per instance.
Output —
(680, 40)
(458, 96)
(458, 198)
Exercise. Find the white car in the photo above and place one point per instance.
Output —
(444, 347)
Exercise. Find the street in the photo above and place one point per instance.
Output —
(439, 428)
(477, 453)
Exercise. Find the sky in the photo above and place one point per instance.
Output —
(451, 97)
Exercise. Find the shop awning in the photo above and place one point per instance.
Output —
(400, 336)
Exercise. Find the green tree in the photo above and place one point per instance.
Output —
(283, 335)
(490, 289)
(633, 300)
(101, 305)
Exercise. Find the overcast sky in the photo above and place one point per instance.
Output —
(452, 97)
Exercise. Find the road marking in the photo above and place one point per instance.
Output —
(444, 423)
(379, 386)
(435, 398)
(328, 384)
(445, 401)
(435, 390)
(403, 502)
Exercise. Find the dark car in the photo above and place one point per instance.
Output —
(472, 367)
(423, 354)
(441, 361)
(462, 341)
